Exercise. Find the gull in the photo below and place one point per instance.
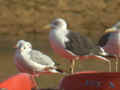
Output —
(110, 41)
(33, 61)
(72, 45)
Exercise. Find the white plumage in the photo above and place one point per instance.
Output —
(32, 61)
(110, 41)
(72, 45)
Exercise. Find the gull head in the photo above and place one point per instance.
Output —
(117, 26)
(28, 45)
(114, 28)
(19, 43)
(25, 47)
(58, 23)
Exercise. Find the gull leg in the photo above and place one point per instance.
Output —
(105, 59)
(72, 66)
(109, 63)
(35, 76)
(34, 80)
(74, 63)
(116, 64)
(110, 67)
(37, 83)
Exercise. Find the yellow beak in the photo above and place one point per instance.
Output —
(109, 30)
(47, 26)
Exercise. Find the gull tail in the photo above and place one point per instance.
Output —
(105, 54)
(56, 71)
(101, 52)
(59, 70)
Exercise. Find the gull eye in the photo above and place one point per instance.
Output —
(56, 23)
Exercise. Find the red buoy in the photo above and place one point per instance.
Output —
(91, 81)
(22, 81)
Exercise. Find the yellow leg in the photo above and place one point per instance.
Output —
(72, 66)
(105, 59)
(116, 64)
(109, 63)
(110, 66)
(74, 63)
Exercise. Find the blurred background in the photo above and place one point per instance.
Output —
(25, 19)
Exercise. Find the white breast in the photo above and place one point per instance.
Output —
(113, 45)
(58, 37)
(57, 41)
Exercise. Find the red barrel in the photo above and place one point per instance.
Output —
(20, 81)
(91, 81)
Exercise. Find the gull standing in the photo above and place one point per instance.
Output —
(110, 41)
(32, 61)
(72, 45)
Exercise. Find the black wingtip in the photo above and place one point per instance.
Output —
(110, 56)
(59, 70)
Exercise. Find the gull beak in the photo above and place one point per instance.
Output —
(110, 30)
(47, 26)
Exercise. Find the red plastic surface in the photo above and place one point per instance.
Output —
(20, 81)
(91, 81)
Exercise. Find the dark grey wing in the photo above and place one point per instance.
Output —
(104, 39)
(78, 44)
(41, 58)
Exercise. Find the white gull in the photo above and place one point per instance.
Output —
(33, 61)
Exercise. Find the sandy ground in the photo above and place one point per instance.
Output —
(90, 17)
